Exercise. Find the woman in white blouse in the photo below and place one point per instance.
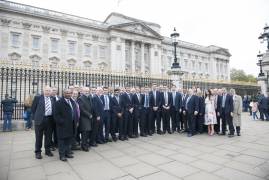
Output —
(210, 113)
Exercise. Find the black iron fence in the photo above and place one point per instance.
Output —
(19, 82)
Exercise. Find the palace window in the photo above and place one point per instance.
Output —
(15, 39)
(87, 49)
(36, 42)
(54, 45)
(102, 52)
(72, 47)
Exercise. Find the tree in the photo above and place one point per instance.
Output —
(240, 75)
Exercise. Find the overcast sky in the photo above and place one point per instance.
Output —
(232, 24)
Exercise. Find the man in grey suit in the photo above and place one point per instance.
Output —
(85, 120)
(42, 111)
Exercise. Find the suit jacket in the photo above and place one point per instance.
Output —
(201, 105)
(228, 105)
(264, 103)
(137, 101)
(86, 113)
(127, 101)
(184, 100)
(65, 117)
(117, 107)
(103, 101)
(38, 109)
(169, 99)
(192, 104)
(152, 102)
(178, 100)
(98, 106)
(219, 100)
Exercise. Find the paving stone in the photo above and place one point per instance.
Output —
(63, 176)
(123, 161)
(203, 175)
(140, 169)
(56, 167)
(154, 159)
(32, 173)
(4, 172)
(24, 163)
(102, 170)
(232, 174)
(182, 158)
(205, 165)
(213, 158)
(178, 169)
(126, 178)
(159, 176)
(247, 168)
(249, 160)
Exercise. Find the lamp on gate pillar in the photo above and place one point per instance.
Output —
(265, 35)
(260, 64)
(174, 37)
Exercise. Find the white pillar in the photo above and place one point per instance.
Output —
(133, 56)
(142, 58)
(63, 45)
(25, 41)
(123, 60)
(152, 60)
(4, 40)
(113, 51)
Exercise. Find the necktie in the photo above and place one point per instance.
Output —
(47, 106)
(146, 101)
(117, 97)
(166, 98)
(106, 103)
(223, 100)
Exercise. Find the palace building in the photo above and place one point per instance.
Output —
(37, 36)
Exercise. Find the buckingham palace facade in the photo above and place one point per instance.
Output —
(36, 36)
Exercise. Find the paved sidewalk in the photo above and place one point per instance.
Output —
(167, 157)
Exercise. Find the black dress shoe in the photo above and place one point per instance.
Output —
(122, 138)
(69, 156)
(230, 135)
(63, 159)
(38, 156)
(100, 142)
(75, 148)
(52, 148)
(159, 132)
(48, 153)
(93, 144)
(238, 134)
(126, 138)
(169, 132)
(85, 149)
(71, 152)
(114, 139)
(108, 140)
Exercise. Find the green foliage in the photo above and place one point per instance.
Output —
(240, 75)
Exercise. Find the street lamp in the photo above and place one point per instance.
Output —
(265, 35)
(174, 37)
(260, 63)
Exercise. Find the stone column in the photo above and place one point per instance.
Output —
(133, 56)
(123, 60)
(142, 58)
(25, 41)
(113, 53)
(80, 48)
(45, 51)
(152, 60)
(63, 45)
(262, 81)
(4, 42)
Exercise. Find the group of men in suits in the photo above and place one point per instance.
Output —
(84, 117)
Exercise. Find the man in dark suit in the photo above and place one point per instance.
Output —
(137, 102)
(264, 106)
(175, 109)
(128, 113)
(191, 109)
(65, 114)
(42, 111)
(106, 99)
(155, 103)
(117, 115)
(76, 140)
(55, 97)
(166, 105)
(85, 120)
(98, 108)
(201, 113)
(218, 97)
(227, 112)
(184, 124)
(145, 114)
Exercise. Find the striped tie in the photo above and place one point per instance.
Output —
(47, 106)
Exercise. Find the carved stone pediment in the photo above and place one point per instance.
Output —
(137, 28)
(35, 57)
(14, 56)
(223, 52)
(54, 59)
